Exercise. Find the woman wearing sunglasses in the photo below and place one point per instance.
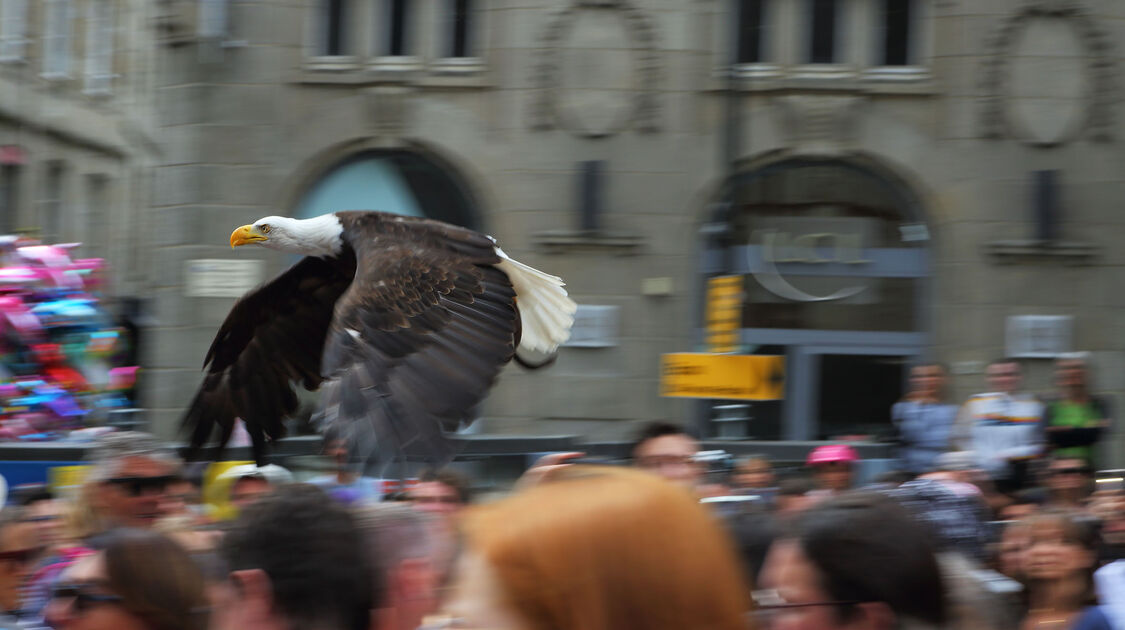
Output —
(137, 580)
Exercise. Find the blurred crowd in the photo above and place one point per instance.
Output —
(975, 528)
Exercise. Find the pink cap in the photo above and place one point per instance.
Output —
(832, 453)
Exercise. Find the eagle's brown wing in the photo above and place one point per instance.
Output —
(274, 336)
(419, 337)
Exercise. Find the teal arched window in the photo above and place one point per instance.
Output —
(402, 182)
(368, 183)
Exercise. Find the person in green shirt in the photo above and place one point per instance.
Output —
(1075, 419)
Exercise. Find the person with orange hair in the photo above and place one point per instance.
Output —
(598, 548)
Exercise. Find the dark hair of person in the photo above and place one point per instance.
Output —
(795, 486)
(656, 429)
(333, 433)
(451, 478)
(1028, 496)
(894, 477)
(156, 578)
(753, 531)
(867, 548)
(312, 550)
(756, 458)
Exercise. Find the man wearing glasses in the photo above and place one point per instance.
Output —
(667, 450)
(856, 561)
(129, 474)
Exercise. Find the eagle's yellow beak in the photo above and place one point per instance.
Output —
(245, 235)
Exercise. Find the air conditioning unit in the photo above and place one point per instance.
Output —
(1039, 336)
(595, 326)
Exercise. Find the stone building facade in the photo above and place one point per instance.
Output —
(890, 179)
(77, 143)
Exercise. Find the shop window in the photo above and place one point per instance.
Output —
(856, 393)
(834, 262)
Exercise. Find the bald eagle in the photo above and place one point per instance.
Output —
(402, 323)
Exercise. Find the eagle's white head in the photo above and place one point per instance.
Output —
(319, 236)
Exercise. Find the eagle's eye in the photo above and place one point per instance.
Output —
(265, 228)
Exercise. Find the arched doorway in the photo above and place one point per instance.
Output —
(834, 261)
(402, 182)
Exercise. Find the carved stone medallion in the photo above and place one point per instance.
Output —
(597, 70)
(1049, 78)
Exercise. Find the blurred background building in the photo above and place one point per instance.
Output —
(76, 129)
(889, 179)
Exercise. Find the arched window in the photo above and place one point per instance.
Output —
(402, 182)
(834, 261)
(370, 183)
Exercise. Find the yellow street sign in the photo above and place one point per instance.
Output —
(725, 376)
(724, 313)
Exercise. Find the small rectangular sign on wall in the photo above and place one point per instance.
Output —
(220, 277)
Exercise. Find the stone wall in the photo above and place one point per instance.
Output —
(250, 123)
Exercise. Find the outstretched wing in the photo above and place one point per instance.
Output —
(274, 336)
(419, 337)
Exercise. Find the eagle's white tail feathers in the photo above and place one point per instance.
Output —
(546, 311)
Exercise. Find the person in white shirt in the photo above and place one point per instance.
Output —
(1002, 427)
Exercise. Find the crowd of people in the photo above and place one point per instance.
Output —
(1006, 430)
(949, 545)
(676, 537)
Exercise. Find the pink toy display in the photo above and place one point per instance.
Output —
(58, 371)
